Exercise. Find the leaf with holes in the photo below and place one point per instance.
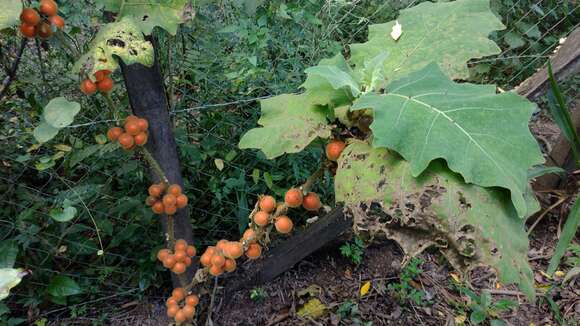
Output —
(148, 14)
(482, 135)
(448, 33)
(471, 225)
(290, 122)
(123, 39)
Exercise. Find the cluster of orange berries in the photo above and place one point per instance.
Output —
(179, 259)
(102, 83)
(164, 200)
(34, 24)
(265, 216)
(133, 134)
(181, 306)
(222, 257)
(294, 198)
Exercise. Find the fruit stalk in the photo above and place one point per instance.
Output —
(315, 176)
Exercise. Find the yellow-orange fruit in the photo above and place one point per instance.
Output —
(88, 87)
(150, 200)
(174, 189)
(162, 254)
(126, 141)
(57, 21)
(143, 124)
(222, 244)
(101, 74)
(172, 310)
(250, 234)
(216, 270)
(293, 197)
(254, 251)
(105, 85)
(169, 261)
(267, 204)
(311, 202)
(43, 30)
(158, 208)
(170, 210)
(178, 294)
(187, 261)
(179, 268)
(180, 316)
(192, 300)
(205, 260)
(132, 128)
(230, 265)
(169, 200)
(334, 149)
(171, 302)
(30, 17)
(29, 31)
(261, 218)
(141, 139)
(155, 190)
(210, 250)
(180, 255)
(180, 245)
(218, 261)
(189, 311)
(114, 133)
(48, 7)
(130, 117)
(283, 224)
(181, 201)
(234, 250)
(190, 251)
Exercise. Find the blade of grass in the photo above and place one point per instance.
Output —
(562, 117)
(568, 233)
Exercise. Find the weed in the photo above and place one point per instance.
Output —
(353, 250)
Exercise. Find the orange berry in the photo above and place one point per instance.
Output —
(57, 21)
(141, 139)
(105, 85)
(293, 197)
(261, 218)
(174, 189)
(179, 268)
(205, 259)
(132, 128)
(170, 210)
(88, 87)
(234, 250)
(172, 311)
(30, 17)
(334, 149)
(180, 316)
(181, 201)
(101, 74)
(311, 202)
(192, 300)
(155, 190)
(169, 261)
(180, 255)
(218, 261)
(143, 124)
(43, 30)
(179, 294)
(162, 254)
(150, 200)
(114, 133)
(222, 244)
(28, 30)
(284, 224)
(48, 7)
(131, 117)
(126, 141)
(187, 261)
(250, 235)
(169, 200)
(189, 311)
(230, 265)
(171, 302)
(158, 208)
(216, 270)
(267, 204)
(254, 251)
(190, 251)
(180, 245)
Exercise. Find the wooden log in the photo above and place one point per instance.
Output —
(148, 100)
(286, 254)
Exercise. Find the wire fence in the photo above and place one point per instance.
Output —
(38, 190)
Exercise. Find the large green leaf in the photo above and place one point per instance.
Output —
(481, 134)
(10, 13)
(60, 112)
(448, 33)
(44, 132)
(471, 225)
(290, 122)
(123, 39)
(167, 14)
(63, 286)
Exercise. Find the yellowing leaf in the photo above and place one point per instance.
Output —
(9, 278)
(455, 277)
(219, 164)
(396, 31)
(460, 319)
(313, 309)
(365, 288)
(559, 274)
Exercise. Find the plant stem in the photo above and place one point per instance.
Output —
(170, 231)
(154, 164)
(10, 76)
(60, 36)
(314, 177)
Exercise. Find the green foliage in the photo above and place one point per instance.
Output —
(483, 308)
(10, 14)
(568, 233)
(258, 294)
(353, 251)
(349, 310)
(406, 289)
(58, 113)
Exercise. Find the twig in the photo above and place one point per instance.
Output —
(40, 63)
(315, 176)
(211, 303)
(12, 73)
(549, 209)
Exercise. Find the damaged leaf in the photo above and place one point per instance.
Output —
(313, 309)
(471, 225)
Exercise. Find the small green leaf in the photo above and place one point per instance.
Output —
(513, 40)
(63, 286)
(63, 214)
(568, 233)
(268, 180)
(8, 253)
(10, 13)
(477, 317)
(219, 163)
(44, 132)
(256, 176)
(60, 112)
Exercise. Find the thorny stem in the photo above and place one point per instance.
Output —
(170, 231)
(154, 164)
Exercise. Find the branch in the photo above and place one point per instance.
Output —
(12, 73)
